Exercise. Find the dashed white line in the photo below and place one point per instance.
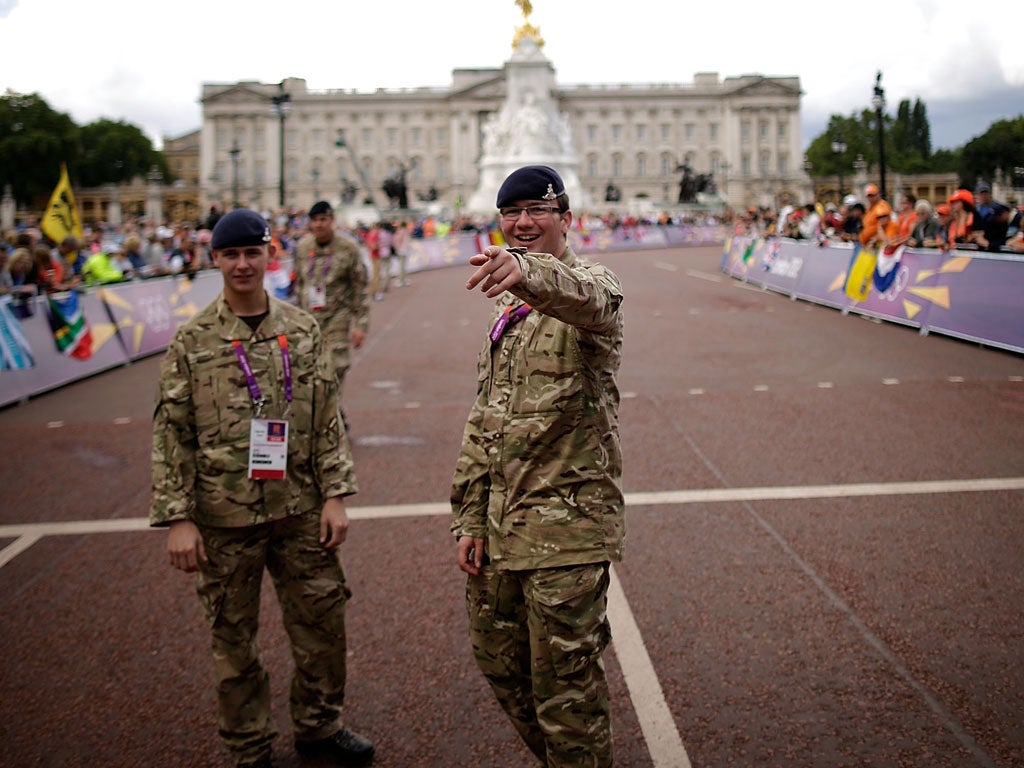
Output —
(711, 278)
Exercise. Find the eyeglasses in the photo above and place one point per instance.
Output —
(533, 211)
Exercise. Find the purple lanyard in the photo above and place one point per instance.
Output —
(508, 318)
(327, 263)
(250, 378)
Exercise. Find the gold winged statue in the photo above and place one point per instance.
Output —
(527, 30)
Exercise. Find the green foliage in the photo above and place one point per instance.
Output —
(908, 146)
(909, 139)
(35, 139)
(1001, 146)
(114, 152)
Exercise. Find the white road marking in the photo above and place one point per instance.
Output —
(666, 266)
(656, 722)
(711, 278)
(636, 499)
(15, 548)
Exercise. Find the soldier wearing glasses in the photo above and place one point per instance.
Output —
(537, 498)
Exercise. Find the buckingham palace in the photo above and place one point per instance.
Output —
(636, 144)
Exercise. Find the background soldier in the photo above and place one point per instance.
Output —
(537, 498)
(250, 467)
(331, 282)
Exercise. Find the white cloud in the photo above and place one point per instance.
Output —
(120, 65)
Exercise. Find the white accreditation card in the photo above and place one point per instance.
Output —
(268, 449)
(317, 296)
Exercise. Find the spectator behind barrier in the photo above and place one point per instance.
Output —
(992, 219)
(926, 227)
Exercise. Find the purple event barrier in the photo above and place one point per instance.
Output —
(970, 295)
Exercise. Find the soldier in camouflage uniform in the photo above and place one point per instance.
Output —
(331, 282)
(536, 497)
(250, 468)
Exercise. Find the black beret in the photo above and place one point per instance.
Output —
(320, 207)
(531, 182)
(238, 228)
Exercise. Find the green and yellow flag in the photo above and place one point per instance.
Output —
(61, 216)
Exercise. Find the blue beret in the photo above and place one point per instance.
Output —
(531, 182)
(238, 228)
(320, 207)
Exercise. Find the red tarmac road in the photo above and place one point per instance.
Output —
(823, 567)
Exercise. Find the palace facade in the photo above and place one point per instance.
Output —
(742, 133)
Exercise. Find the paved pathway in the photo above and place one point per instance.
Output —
(825, 537)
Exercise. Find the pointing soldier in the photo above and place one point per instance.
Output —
(250, 469)
(536, 498)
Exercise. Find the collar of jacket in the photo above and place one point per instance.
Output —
(231, 327)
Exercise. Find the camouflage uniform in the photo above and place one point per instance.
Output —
(347, 292)
(200, 468)
(539, 478)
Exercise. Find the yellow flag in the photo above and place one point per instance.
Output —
(61, 216)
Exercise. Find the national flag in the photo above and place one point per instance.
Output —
(858, 276)
(70, 330)
(15, 351)
(886, 267)
(747, 254)
(61, 217)
(771, 252)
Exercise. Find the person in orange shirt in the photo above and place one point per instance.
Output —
(908, 217)
(961, 205)
(878, 227)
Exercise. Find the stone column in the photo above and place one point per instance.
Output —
(113, 206)
(154, 196)
(7, 209)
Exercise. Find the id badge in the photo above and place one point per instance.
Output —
(268, 449)
(317, 296)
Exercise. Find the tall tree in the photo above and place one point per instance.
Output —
(1000, 147)
(114, 151)
(34, 140)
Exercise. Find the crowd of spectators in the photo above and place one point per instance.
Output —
(966, 220)
(138, 249)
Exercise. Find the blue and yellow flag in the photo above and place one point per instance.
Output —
(61, 216)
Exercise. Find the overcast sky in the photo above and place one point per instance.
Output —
(125, 60)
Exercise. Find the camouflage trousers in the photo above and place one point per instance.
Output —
(312, 593)
(538, 637)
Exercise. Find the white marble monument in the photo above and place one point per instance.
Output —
(528, 129)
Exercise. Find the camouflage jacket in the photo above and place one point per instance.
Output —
(338, 266)
(539, 475)
(203, 414)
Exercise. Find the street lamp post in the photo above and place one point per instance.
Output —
(839, 148)
(280, 102)
(234, 152)
(878, 102)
